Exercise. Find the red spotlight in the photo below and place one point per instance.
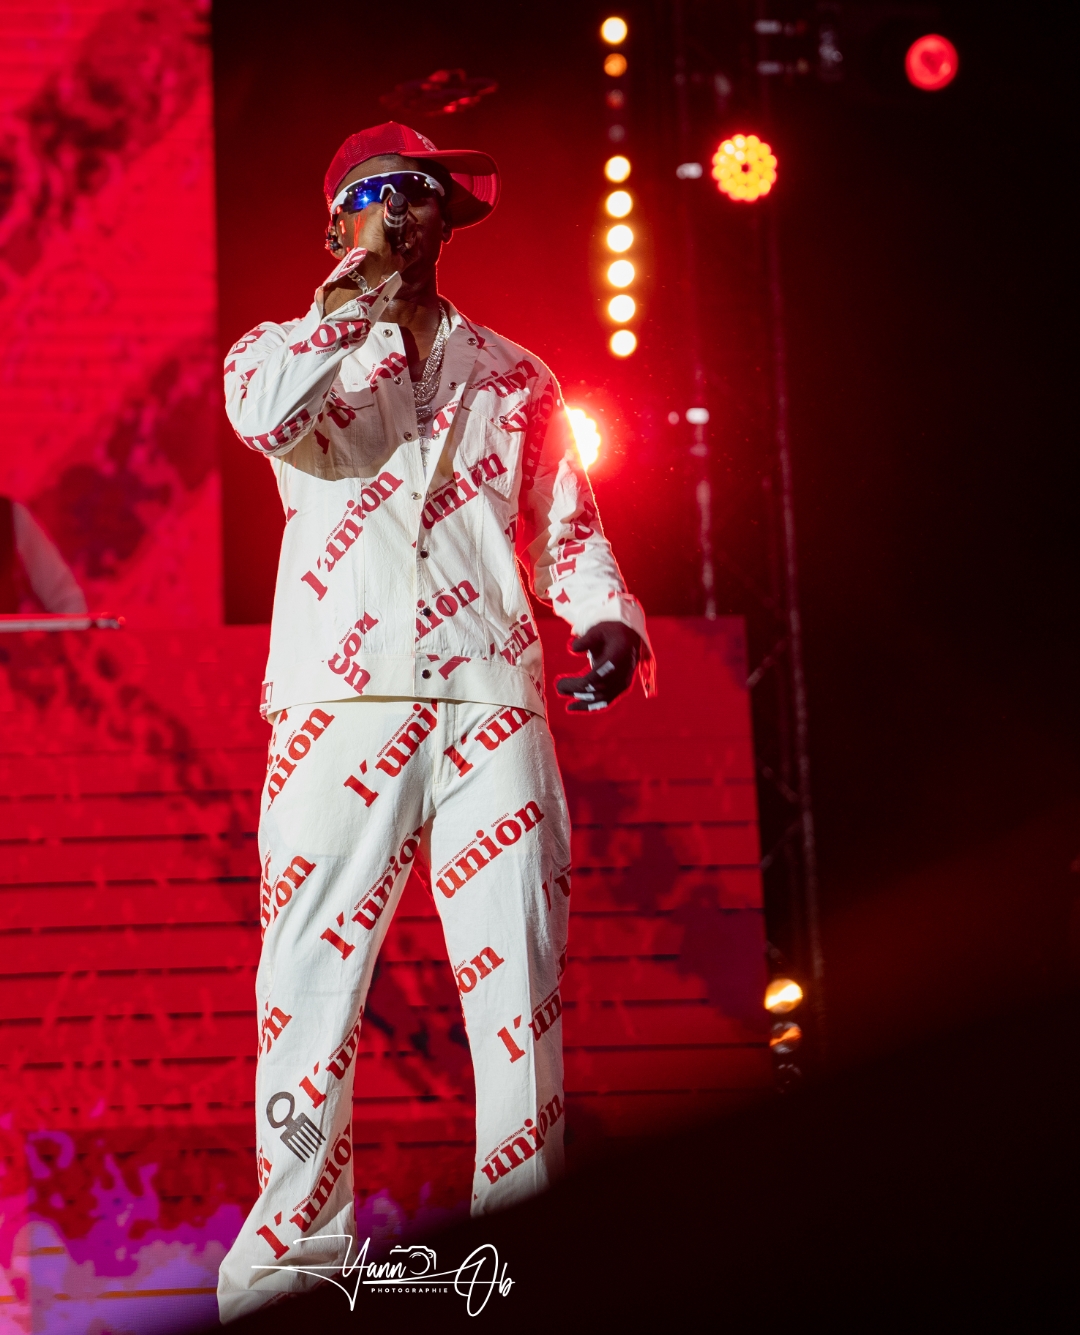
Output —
(931, 62)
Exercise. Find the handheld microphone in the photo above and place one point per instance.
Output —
(395, 213)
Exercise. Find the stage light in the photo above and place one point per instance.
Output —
(744, 167)
(619, 203)
(697, 416)
(586, 436)
(931, 62)
(622, 307)
(782, 995)
(785, 1037)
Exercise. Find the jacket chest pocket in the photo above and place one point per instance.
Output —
(489, 452)
(358, 443)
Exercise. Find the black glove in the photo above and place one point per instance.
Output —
(613, 651)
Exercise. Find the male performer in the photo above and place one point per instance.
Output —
(419, 459)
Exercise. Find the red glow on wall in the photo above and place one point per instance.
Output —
(931, 62)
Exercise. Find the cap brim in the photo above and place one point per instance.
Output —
(476, 183)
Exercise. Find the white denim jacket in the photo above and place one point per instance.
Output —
(398, 573)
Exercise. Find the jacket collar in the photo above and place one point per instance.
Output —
(462, 348)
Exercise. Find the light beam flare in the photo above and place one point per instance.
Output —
(586, 436)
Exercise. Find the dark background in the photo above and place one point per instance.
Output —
(925, 261)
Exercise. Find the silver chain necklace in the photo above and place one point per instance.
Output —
(424, 389)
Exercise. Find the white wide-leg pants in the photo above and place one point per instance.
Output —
(355, 792)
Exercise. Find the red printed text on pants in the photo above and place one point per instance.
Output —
(545, 1015)
(369, 909)
(483, 850)
(522, 1145)
(500, 727)
(283, 765)
(336, 1065)
(404, 744)
(273, 898)
(272, 1025)
(337, 1157)
(468, 975)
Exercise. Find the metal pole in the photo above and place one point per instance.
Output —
(794, 619)
(699, 450)
(811, 908)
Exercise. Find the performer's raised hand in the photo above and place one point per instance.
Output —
(613, 651)
(358, 226)
(368, 257)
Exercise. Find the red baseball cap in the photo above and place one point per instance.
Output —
(475, 176)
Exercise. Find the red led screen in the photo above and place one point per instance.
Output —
(108, 355)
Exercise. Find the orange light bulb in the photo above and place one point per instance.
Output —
(620, 238)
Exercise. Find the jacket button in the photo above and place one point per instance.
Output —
(472, 342)
(408, 435)
(453, 384)
(388, 333)
(397, 380)
(416, 496)
(425, 674)
(423, 553)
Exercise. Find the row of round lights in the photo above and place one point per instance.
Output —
(619, 204)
